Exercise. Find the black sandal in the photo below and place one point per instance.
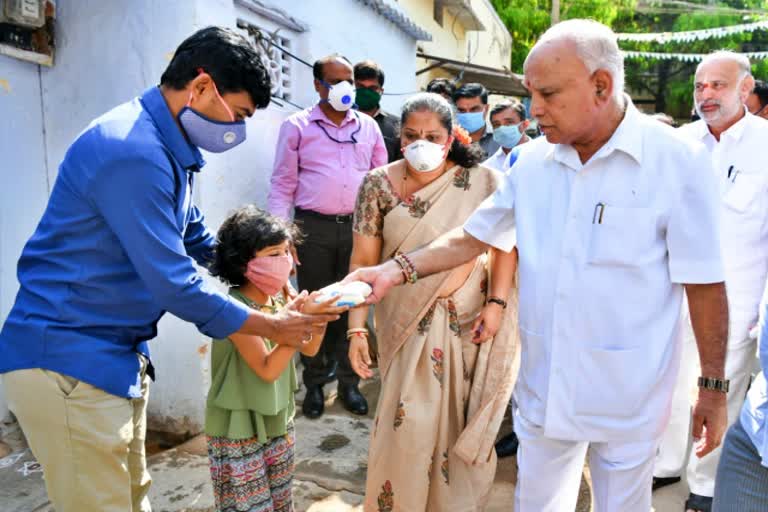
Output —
(698, 503)
(659, 482)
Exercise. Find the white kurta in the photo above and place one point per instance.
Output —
(604, 250)
(741, 172)
(742, 176)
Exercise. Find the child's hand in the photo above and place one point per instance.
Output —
(289, 291)
(487, 323)
(322, 308)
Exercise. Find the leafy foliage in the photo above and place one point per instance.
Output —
(668, 84)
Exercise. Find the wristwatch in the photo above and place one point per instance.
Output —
(720, 385)
(496, 300)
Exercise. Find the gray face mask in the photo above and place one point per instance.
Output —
(209, 134)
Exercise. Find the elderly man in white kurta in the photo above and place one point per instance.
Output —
(736, 141)
(614, 220)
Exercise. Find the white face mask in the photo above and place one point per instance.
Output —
(341, 96)
(424, 156)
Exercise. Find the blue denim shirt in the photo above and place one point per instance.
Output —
(754, 413)
(113, 252)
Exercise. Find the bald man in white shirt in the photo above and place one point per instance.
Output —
(614, 222)
(736, 140)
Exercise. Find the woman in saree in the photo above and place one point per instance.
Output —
(446, 343)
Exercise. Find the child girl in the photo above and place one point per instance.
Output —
(250, 406)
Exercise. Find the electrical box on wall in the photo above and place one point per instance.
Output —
(25, 13)
(26, 30)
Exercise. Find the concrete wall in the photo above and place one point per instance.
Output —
(490, 47)
(109, 52)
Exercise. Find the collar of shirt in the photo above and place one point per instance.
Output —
(317, 114)
(735, 132)
(187, 154)
(498, 160)
(627, 138)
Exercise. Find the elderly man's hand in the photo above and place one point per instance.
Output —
(382, 279)
(710, 419)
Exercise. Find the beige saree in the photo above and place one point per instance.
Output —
(443, 397)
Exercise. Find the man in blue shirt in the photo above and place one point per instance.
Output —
(113, 252)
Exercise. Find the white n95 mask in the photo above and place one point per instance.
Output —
(341, 96)
(424, 156)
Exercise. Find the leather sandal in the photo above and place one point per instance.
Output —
(698, 503)
(663, 481)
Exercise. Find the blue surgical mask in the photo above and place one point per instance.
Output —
(209, 134)
(507, 136)
(471, 121)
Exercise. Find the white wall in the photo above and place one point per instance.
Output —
(109, 52)
(358, 33)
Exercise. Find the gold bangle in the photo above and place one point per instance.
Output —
(362, 331)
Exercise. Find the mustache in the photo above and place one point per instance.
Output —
(709, 103)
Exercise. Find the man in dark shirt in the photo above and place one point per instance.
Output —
(472, 109)
(443, 87)
(112, 253)
(369, 84)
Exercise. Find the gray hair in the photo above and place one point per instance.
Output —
(740, 60)
(596, 46)
(429, 102)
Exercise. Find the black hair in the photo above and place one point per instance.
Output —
(441, 86)
(246, 231)
(319, 65)
(515, 105)
(232, 62)
(761, 90)
(472, 90)
(465, 155)
(367, 70)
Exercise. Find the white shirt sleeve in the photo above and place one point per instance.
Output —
(693, 229)
(494, 221)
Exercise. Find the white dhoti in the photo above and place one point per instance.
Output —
(549, 472)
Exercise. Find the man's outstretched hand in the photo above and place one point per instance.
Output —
(294, 328)
(382, 279)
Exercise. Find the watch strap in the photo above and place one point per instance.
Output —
(720, 385)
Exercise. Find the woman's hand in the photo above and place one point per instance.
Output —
(487, 323)
(360, 357)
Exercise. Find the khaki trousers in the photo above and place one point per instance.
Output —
(90, 443)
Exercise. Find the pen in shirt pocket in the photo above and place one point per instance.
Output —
(597, 215)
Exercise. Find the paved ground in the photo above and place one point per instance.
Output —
(330, 472)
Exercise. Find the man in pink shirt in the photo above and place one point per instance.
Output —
(323, 153)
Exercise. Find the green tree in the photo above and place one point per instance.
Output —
(667, 84)
(528, 19)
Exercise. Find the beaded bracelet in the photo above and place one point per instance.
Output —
(414, 274)
(409, 271)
